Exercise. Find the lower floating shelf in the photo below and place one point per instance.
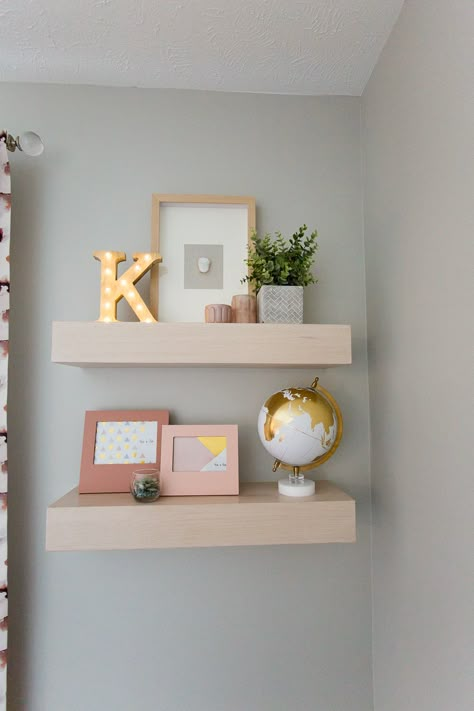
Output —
(258, 516)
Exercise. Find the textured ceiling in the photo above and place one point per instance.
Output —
(281, 46)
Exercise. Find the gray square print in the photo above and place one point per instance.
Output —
(193, 277)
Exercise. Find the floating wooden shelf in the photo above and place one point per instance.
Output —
(258, 516)
(91, 343)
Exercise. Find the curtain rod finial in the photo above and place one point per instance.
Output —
(29, 143)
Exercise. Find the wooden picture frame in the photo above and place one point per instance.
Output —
(103, 443)
(160, 201)
(204, 465)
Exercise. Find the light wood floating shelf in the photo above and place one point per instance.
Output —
(90, 343)
(258, 516)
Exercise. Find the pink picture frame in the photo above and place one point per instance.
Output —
(132, 436)
(199, 460)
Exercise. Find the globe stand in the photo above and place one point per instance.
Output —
(295, 484)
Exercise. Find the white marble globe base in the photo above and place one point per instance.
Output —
(302, 487)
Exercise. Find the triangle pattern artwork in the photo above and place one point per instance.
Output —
(126, 443)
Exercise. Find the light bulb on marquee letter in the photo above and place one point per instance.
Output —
(113, 289)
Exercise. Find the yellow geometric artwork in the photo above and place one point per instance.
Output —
(216, 445)
(204, 454)
(126, 443)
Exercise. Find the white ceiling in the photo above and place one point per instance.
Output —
(277, 46)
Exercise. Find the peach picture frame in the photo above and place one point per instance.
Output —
(114, 478)
(199, 483)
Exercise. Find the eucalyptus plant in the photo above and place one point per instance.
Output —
(279, 262)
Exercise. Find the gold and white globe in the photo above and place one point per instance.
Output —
(301, 428)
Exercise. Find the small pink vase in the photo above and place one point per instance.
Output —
(244, 308)
(218, 313)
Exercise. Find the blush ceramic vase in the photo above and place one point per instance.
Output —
(218, 313)
(244, 308)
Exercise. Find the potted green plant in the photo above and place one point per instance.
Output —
(279, 269)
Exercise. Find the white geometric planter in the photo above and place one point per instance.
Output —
(280, 304)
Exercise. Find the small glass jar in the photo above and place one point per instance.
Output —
(145, 485)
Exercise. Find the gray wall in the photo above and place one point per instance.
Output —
(203, 630)
(419, 225)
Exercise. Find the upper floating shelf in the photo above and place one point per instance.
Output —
(90, 343)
